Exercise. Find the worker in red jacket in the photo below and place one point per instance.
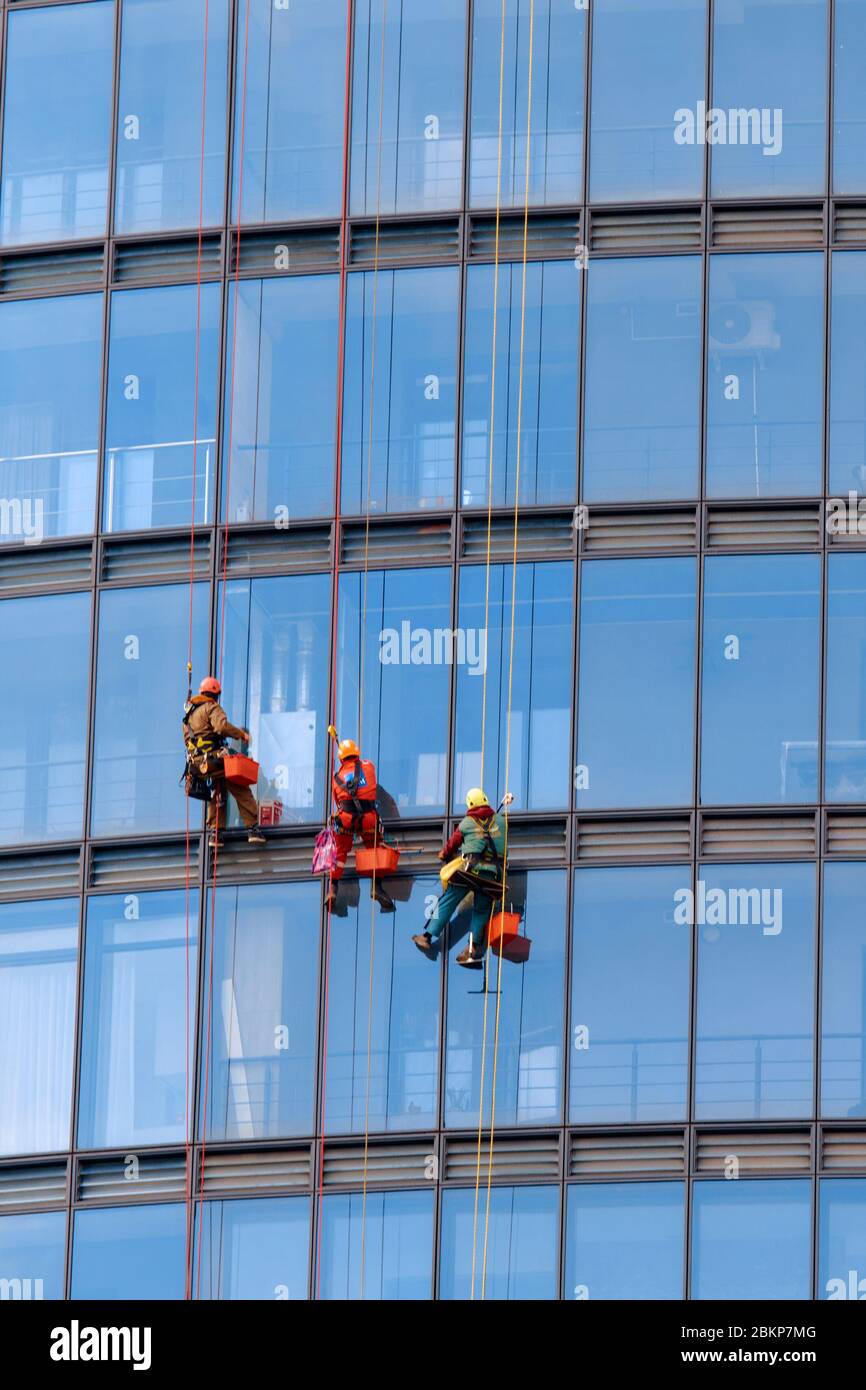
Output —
(354, 791)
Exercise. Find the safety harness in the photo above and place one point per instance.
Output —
(195, 783)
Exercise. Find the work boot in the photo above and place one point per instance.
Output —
(335, 905)
(255, 836)
(472, 956)
(424, 943)
(379, 896)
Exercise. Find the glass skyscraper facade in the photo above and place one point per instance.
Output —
(328, 327)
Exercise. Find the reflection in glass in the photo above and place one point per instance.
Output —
(401, 352)
(750, 1239)
(280, 399)
(756, 992)
(641, 438)
(519, 1238)
(849, 97)
(759, 704)
(843, 993)
(538, 348)
(257, 1249)
(32, 1255)
(845, 716)
(848, 373)
(534, 689)
(50, 371)
(44, 659)
(141, 685)
(529, 1043)
(129, 1252)
(637, 679)
(151, 428)
(765, 375)
(625, 1240)
(259, 1013)
(630, 987)
(842, 1238)
(139, 950)
(378, 1247)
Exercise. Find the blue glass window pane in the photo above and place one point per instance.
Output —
(849, 97)
(843, 997)
(845, 719)
(141, 685)
(530, 1019)
(257, 1249)
(55, 147)
(755, 928)
(393, 681)
(751, 1239)
(293, 118)
(848, 373)
(281, 399)
(401, 351)
(759, 706)
(625, 1240)
(842, 1239)
(50, 370)
(32, 1246)
(378, 1248)
(407, 107)
(547, 363)
(630, 986)
(539, 678)
(765, 375)
(556, 113)
(382, 1072)
(134, 1076)
(275, 684)
(520, 1236)
(151, 421)
(637, 683)
(42, 777)
(129, 1252)
(770, 89)
(259, 1013)
(637, 104)
(641, 439)
(162, 181)
(38, 960)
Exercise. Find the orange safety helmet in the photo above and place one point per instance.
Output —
(210, 686)
(348, 748)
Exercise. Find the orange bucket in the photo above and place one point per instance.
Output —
(504, 939)
(381, 860)
(241, 770)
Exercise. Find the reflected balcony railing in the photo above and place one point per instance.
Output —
(151, 500)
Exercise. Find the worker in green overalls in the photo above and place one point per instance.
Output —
(480, 839)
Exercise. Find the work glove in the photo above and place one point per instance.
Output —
(245, 735)
(443, 855)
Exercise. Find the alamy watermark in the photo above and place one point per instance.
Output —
(722, 907)
(439, 646)
(22, 519)
(737, 126)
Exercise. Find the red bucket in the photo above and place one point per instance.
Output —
(381, 860)
(243, 771)
(504, 939)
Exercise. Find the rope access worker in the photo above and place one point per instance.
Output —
(206, 731)
(356, 813)
(479, 838)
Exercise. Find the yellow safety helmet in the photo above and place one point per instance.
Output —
(348, 748)
(475, 797)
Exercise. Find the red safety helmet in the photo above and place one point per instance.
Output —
(210, 686)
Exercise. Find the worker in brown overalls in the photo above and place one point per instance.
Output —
(206, 730)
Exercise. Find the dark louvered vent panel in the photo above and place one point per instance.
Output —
(843, 1150)
(272, 551)
(627, 1154)
(283, 856)
(410, 1161)
(32, 1184)
(170, 258)
(160, 557)
(773, 225)
(752, 1151)
(757, 837)
(845, 834)
(516, 1158)
(294, 249)
(393, 542)
(612, 532)
(757, 527)
(667, 838)
(849, 224)
(46, 567)
(532, 842)
(276, 1170)
(548, 536)
(547, 234)
(641, 229)
(153, 865)
(132, 1177)
(404, 243)
(31, 874)
(37, 271)
(421, 843)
